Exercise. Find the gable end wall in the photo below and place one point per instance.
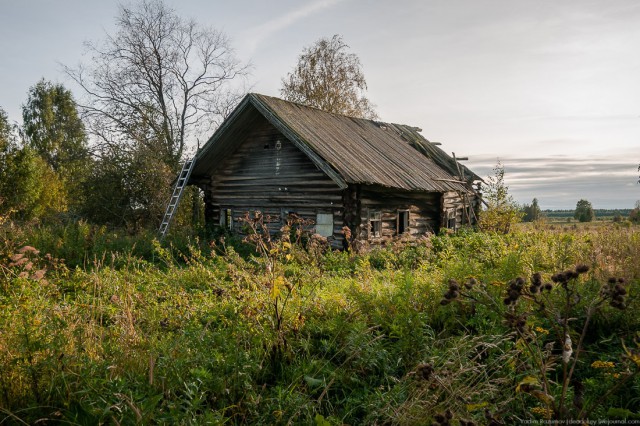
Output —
(260, 176)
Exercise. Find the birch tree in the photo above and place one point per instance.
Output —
(330, 78)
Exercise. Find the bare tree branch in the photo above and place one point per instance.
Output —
(153, 82)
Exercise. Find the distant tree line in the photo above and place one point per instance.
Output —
(634, 214)
(564, 213)
(532, 211)
(583, 211)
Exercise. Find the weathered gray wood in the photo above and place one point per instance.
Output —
(291, 135)
(267, 172)
(266, 169)
(423, 207)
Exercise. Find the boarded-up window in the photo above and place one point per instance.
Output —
(403, 221)
(324, 224)
(375, 224)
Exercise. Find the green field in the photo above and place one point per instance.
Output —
(101, 328)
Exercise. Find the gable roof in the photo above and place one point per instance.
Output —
(349, 150)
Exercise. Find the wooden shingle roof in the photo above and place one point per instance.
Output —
(350, 150)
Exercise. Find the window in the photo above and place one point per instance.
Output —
(375, 224)
(228, 218)
(402, 224)
(324, 224)
(284, 216)
(451, 219)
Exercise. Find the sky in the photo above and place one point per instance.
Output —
(549, 88)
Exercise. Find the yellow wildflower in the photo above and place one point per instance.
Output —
(541, 411)
(475, 407)
(542, 330)
(602, 364)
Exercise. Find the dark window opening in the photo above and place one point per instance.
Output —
(403, 221)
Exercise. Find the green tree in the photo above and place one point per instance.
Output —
(6, 134)
(128, 189)
(501, 212)
(584, 211)
(53, 128)
(634, 214)
(532, 212)
(329, 78)
(159, 81)
(29, 189)
(6, 145)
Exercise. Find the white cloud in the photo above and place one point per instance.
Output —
(261, 33)
(558, 182)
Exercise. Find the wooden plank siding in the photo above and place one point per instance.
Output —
(269, 173)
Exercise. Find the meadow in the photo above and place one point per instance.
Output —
(471, 328)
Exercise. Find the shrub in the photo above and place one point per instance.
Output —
(501, 212)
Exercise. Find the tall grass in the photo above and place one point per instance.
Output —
(127, 331)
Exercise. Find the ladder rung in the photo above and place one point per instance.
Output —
(181, 182)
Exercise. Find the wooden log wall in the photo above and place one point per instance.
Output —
(463, 206)
(269, 173)
(423, 207)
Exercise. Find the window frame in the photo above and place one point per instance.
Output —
(451, 219)
(405, 221)
(375, 224)
(328, 227)
(228, 219)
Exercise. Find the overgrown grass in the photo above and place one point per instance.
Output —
(126, 331)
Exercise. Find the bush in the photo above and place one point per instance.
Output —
(501, 212)
(584, 211)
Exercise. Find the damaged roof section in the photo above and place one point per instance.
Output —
(349, 150)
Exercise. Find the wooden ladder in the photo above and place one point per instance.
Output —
(172, 207)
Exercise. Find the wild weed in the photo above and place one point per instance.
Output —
(549, 322)
(273, 255)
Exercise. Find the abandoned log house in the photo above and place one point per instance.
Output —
(379, 179)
